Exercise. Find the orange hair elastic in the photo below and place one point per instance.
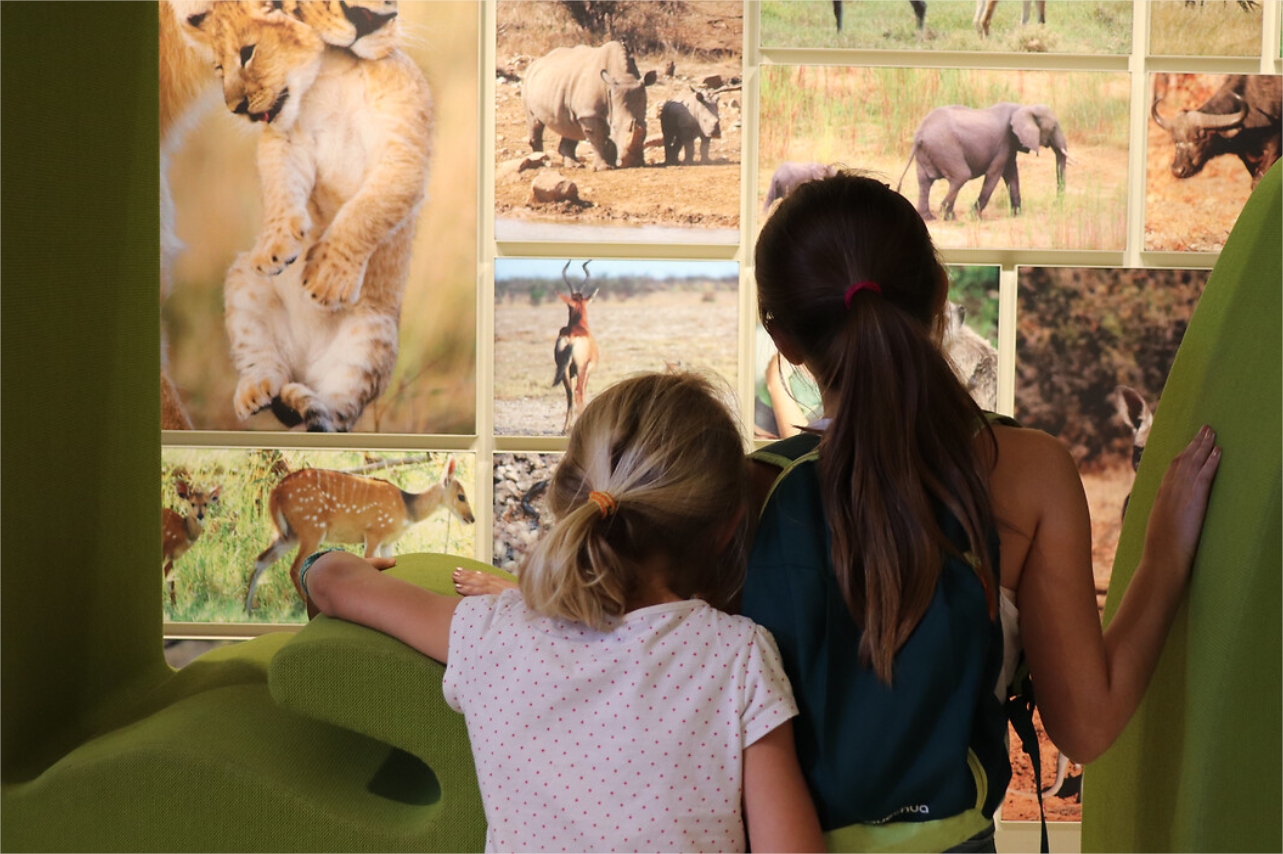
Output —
(604, 501)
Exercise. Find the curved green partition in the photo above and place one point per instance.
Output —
(1198, 768)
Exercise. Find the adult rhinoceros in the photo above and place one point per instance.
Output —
(592, 93)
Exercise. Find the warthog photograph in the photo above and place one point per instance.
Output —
(1082, 334)
(565, 329)
(1057, 140)
(1211, 138)
(600, 109)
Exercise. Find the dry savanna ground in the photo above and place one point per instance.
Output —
(697, 329)
(693, 197)
(1198, 212)
(865, 118)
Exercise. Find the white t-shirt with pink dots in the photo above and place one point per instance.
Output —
(626, 740)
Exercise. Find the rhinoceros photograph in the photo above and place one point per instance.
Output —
(992, 159)
(1211, 138)
(618, 121)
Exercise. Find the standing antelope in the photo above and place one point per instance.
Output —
(576, 350)
(312, 506)
(178, 532)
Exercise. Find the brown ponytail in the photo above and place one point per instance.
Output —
(901, 436)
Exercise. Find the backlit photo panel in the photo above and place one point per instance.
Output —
(618, 121)
(236, 522)
(1210, 139)
(954, 25)
(326, 293)
(786, 397)
(1093, 350)
(565, 329)
(991, 159)
(521, 512)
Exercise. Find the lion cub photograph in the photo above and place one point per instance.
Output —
(320, 225)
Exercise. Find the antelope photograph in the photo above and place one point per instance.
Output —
(567, 328)
(278, 506)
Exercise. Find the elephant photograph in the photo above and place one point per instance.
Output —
(991, 159)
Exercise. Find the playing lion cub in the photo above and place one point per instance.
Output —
(366, 27)
(312, 309)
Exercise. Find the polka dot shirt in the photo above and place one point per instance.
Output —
(627, 740)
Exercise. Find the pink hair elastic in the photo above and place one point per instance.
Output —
(866, 285)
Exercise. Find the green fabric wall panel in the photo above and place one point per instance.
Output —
(81, 618)
(1198, 767)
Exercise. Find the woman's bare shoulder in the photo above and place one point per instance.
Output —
(1030, 463)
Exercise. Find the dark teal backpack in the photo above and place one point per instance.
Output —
(923, 764)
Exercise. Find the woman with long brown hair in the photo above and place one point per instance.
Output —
(904, 532)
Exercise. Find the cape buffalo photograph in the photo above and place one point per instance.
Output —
(1012, 26)
(566, 328)
(1093, 350)
(991, 159)
(1210, 139)
(618, 121)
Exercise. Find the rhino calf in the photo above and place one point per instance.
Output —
(588, 93)
(691, 116)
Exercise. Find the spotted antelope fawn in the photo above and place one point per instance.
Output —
(178, 532)
(312, 506)
(576, 350)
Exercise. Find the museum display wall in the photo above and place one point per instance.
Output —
(319, 378)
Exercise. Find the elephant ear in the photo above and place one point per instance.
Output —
(1024, 123)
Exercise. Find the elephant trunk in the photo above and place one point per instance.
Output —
(1061, 147)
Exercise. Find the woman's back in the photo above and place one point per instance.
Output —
(923, 758)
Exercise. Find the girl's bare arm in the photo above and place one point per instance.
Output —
(343, 585)
(777, 806)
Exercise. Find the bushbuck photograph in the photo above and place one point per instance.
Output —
(567, 328)
(238, 524)
(991, 159)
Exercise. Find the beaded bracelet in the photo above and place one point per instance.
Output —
(307, 564)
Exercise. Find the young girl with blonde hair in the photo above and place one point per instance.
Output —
(610, 705)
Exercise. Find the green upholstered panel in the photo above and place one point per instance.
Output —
(228, 770)
(360, 679)
(1198, 767)
(80, 631)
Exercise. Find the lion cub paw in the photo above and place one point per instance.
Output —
(331, 277)
(253, 394)
(280, 244)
